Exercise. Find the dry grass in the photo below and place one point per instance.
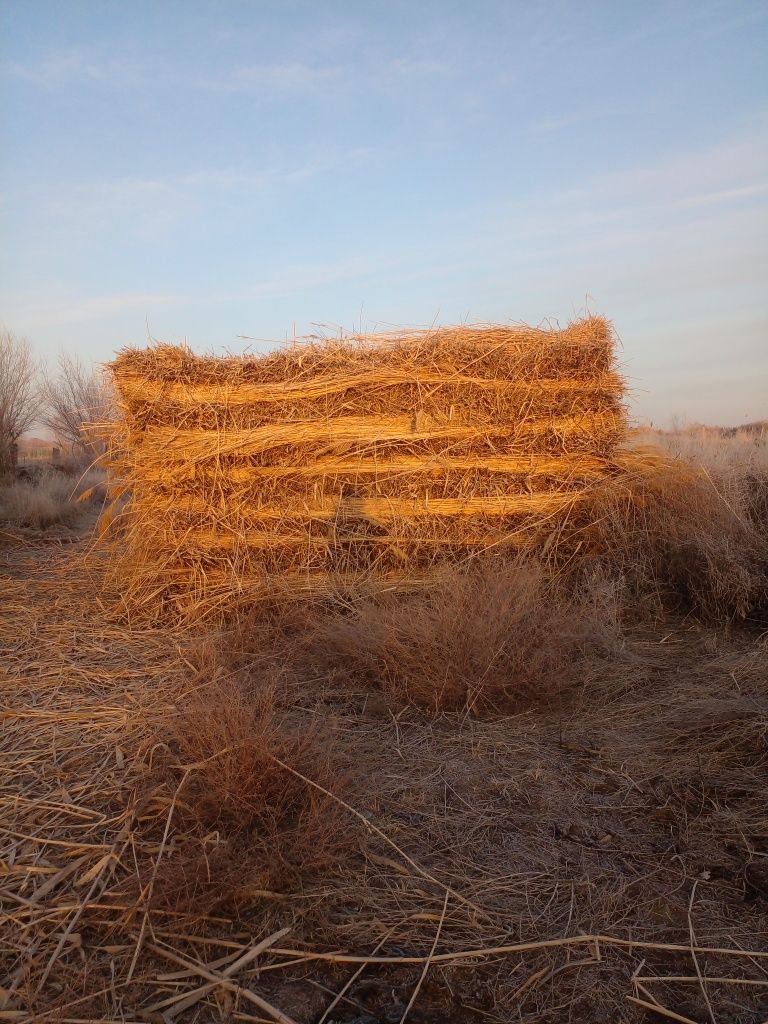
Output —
(735, 459)
(39, 504)
(681, 538)
(494, 636)
(728, 454)
(30, 507)
(49, 498)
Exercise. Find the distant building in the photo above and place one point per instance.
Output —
(36, 449)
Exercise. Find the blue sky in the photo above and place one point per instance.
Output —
(207, 170)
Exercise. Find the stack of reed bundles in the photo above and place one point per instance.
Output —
(371, 458)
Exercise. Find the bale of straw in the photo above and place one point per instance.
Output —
(369, 458)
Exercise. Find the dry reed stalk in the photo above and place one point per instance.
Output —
(579, 467)
(303, 438)
(140, 390)
(525, 947)
(371, 510)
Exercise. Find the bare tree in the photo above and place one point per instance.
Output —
(73, 400)
(19, 393)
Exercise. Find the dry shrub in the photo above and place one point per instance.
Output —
(270, 636)
(498, 636)
(756, 500)
(680, 540)
(246, 826)
(208, 876)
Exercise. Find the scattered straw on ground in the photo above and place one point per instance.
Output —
(585, 862)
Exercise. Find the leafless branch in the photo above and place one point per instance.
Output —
(73, 399)
(19, 392)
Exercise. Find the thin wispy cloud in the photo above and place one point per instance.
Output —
(415, 67)
(85, 310)
(289, 77)
(728, 195)
(72, 66)
(722, 172)
(371, 71)
(557, 122)
(261, 78)
(153, 205)
(82, 67)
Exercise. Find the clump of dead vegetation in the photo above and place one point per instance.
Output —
(498, 636)
(254, 829)
(38, 504)
(679, 539)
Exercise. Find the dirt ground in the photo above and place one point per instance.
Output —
(604, 858)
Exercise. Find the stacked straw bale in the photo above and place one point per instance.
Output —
(368, 458)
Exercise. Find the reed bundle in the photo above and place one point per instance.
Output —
(370, 457)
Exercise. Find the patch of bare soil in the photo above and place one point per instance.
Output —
(191, 831)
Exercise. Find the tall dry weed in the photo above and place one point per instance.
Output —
(681, 539)
(247, 828)
(499, 636)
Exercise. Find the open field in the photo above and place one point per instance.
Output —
(303, 817)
